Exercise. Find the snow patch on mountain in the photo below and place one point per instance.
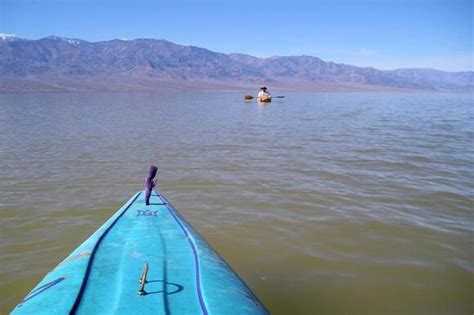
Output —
(70, 41)
(8, 37)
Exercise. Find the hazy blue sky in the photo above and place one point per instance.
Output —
(385, 34)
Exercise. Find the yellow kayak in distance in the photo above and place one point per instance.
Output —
(265, 99)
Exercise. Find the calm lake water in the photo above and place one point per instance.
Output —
(324, 203)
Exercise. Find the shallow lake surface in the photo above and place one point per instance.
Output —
(324, 203)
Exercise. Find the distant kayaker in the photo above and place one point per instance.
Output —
(263, 96)
(263, 93)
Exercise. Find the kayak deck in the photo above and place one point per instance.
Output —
(121, 256)
(185, 275)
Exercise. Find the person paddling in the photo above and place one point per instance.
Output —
(263, 92)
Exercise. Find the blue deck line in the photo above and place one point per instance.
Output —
(196, 259)
(97, 244)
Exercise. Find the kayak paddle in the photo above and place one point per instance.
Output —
(250, 97)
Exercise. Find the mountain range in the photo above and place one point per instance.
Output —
(64, 64)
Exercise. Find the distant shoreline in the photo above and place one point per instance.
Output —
(36, 85)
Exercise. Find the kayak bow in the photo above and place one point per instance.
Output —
(146, 259)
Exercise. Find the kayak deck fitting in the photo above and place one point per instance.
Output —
(145, 259)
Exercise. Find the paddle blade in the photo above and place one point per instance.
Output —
(152, 171)
(149, 184)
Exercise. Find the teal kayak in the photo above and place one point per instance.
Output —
(146, 259)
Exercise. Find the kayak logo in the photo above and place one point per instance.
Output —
(147, 213)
